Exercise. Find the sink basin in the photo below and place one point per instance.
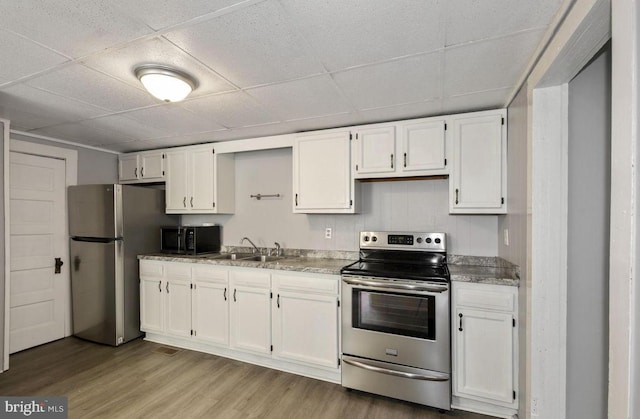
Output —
(233, 256)
(263, 258)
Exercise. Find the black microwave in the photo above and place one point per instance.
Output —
(190, 240)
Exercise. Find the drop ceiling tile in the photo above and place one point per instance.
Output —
(304, 98)
(408, 80)
(88, 134)
(33, 58)
(173, 119)
(231, 110)
(406, 111)
(128, 146)
(251, 132)
(121, 64)
(472, 20)
(488, 65)
(350, 33)
(31, 108)
(490, 99)
(124, 127)
(161, 14)
(73, 27)
(252, 46)
(84, 84)
(182, 140)
(326, 122)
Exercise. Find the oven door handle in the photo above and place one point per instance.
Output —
(434, 376)
(396, 285)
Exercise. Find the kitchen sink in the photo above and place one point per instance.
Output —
(263, 258)
(233, 256)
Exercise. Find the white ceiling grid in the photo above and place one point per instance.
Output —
(264, 67)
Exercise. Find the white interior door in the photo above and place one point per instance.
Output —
(37, 199)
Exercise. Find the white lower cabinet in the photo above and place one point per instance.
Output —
(305, 319)
(250, 323)
(485, 348)
(279, 319)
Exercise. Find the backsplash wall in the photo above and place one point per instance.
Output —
(418, 205)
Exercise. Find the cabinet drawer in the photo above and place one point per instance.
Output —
(250, 278)
(303, 283)
(210, 274)
(151, 269)
(178, 270)
(485, 297)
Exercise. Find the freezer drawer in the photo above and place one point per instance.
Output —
(416, 385)
(96, 290)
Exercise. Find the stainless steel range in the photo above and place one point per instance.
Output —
(396, 318)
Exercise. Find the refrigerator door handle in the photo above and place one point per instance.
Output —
(95, 239)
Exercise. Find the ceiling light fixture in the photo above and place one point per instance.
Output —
(166, 83)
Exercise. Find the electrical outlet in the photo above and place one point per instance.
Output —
(506, 236)
(327, 233)
(534, 406)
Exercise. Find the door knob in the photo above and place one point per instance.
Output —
(58, 265)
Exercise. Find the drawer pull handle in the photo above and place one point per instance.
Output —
(460, 327)
(225, 293)
(234, 295)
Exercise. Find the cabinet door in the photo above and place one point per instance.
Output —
(375, 150)
(250, 311)
(178, 307)
(201, 179)
(176, 186)
(479, 149)
(484, 356)
(211, 312)
(152, 166)
(305, 328)
(322, 173)
(151, 304)
(128, 165)
(423, 146)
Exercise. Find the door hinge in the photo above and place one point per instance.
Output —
(502, 200)
(514, 322)
(271, 348)
(502, 121)
(514, 395)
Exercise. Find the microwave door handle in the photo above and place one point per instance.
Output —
(396, 285)
(433, 376)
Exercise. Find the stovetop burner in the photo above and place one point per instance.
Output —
(414, 256)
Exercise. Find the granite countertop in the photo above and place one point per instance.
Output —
(485, 270)
(318, 265)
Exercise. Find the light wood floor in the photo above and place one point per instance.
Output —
(136, 380)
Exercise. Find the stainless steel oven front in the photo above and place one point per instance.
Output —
(396, 338)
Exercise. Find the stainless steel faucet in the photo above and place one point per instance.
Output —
(277, 248)
(252, 244)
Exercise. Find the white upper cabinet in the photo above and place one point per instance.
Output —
(200, 181)
(412, 148)
(478, 182)
(147, 166)
(322, 181)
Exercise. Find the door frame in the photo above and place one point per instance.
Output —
(71, 178)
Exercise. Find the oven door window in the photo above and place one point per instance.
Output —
(399, 314)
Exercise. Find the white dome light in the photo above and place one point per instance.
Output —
(165, 83)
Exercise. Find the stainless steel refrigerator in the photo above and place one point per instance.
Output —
(109, 225)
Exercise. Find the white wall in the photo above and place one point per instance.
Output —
(93, 166)
(589, 188)
(402, 205)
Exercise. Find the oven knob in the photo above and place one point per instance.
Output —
(374, 239)
(438, 241)
(428, 240)
(366, 238)
(419, 239)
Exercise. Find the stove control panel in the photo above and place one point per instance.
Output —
(403, 240)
